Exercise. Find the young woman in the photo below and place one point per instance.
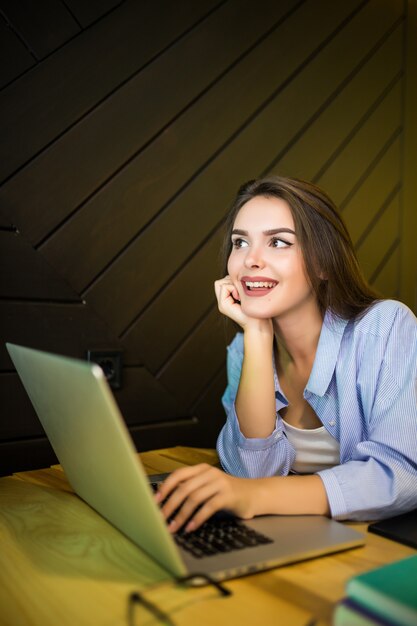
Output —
(321, 398)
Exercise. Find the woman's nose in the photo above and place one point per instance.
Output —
(254, 258)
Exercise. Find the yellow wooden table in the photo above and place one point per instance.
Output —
(62, 564)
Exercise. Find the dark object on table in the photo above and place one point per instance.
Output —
(401, 528)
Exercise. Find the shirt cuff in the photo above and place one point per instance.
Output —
(253, 443)
(337, 503)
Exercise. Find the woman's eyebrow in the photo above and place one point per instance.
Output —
(273, 231)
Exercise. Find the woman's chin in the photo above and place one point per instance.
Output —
(257, 312)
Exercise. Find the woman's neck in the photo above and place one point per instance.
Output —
(297, 337)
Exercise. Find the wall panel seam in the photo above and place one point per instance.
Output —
(395, 135)
(178, 270)
(390, 197)
(210, 381)
(198, 322)
(76, 20)
(385, 259)
(41, 301)
(22, 40)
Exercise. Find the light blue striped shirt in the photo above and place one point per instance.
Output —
(363, 388)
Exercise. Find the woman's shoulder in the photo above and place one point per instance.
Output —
(383, 315)
(386, 332)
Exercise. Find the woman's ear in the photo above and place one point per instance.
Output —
(321, 274)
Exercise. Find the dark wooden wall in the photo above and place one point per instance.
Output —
(126, 128)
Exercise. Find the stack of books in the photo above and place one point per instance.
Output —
(386, 596)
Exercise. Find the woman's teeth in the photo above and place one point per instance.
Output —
(258, 284)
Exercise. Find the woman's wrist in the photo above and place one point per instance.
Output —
(258, 330)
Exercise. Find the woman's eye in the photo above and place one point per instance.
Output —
(239, 243)
(280, 243)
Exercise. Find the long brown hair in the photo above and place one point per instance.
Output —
(324, 240)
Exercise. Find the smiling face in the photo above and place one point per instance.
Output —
(266, 262)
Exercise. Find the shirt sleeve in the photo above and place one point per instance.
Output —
(380, 478)
(249, 457)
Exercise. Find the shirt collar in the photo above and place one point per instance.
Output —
(279, 394)
(328, 348)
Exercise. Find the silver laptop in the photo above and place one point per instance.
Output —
(86, 430)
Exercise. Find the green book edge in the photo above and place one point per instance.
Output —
(389, 591)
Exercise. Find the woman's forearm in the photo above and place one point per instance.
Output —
(255, 399)
(291, 495)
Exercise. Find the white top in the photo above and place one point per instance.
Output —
(315, 449)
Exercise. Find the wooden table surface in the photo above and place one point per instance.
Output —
(62, 564)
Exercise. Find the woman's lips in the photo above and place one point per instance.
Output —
(257, 286)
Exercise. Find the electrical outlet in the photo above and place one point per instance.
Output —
(110, 362)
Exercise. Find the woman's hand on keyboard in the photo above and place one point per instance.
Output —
(191, 495)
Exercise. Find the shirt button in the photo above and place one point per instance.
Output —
(332, 423)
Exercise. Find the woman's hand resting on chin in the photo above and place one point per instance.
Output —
(228, 300)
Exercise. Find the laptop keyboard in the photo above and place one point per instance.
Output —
(221, 533)
(217, 536)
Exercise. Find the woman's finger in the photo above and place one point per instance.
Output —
(228, 300)
(209, 508)
(197, 499)
(224, 288)
(177, 477)
(177, 493)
